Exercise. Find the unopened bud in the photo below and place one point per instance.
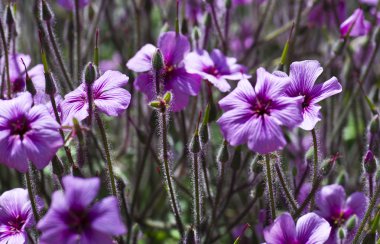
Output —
(374, 126)
(158, 60)
(370, 163)
(223, 154)
(50, 88)
(168, 97)
(47, 13)
(351, 222)
(257, 166)
(9, 16)
(58, 168)
(190, 236)
(207, 20)
(120, 183)
(204, 131)
(236, 159)
(89, 74)
(341, 233)
(328, 164)
(260, 189)
(228, 4)
(196, 34)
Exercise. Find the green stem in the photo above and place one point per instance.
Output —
(289, 196)
(168, 177)
(367, 214)
(270, 187)
(107, 152)
(58, 56)
(32, 196)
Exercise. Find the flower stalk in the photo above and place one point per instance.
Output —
(270, 187)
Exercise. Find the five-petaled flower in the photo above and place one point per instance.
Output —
(310, 228)
(108, 95)
(255, 115)
(175, 77)
(355, 25)
(27, 133)
(215, 68)
(15, 216)
(303, 76)
(72, 218)
(333, 206)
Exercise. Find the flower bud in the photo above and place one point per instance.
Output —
(168, 97)
(351, 222)
(196, 34)
(190, 236)
(207, 20)
(257, 165)
(58, 168)
(260, 189)
(370, 163)
(236, 159)
(341, 233)
(158, 60)
(374, 126)
(47, 13)
(195, 144)
(50, 88)
(9, 16)
(204, 132)
(328, 164)
(89, 74)
(223, 154)
(228, 4)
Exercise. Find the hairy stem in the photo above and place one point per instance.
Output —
(270, 187)
(288, 195)
(32, 197)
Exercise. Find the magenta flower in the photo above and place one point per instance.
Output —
(303, 75)
(323, 14)
(215, 68)
(333, 206)
(108, 94)
(15, 216)
(175, 77)
(255, 115)
(355, 25)
(310, 229)
(73, 218)
(27, 134)
(70, 4)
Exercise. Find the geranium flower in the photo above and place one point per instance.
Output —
(175, 77)
(303, 76)
(255, 115)
(70, 4)
(333, 206)
(215, 68)
(73, 218)
(356, 23)
(108, 95)
(27, 133)
(16, 216)
(310, 228)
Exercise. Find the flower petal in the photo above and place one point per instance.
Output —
(113, 102)
(80, 192)
(330, 200)
(303, 75)
(357, 204)
(283, 230)
(185, 82)
(173, 47)
(142, 61)
(311, 116)
(325, 90)
(312, 229)
(241, 97)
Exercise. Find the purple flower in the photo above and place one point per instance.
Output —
(303, 75)
(111, 64)
(70, 4)
(15, 216)
(322, 13)
(175, 77)
(108, 95)
(27, 133)
(215, 68)
(333, 206)
(72, 218)
(255, 115)
(355, 25)
(310, 228)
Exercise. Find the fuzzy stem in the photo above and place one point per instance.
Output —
(367, 214)
(90, 104)
(56, 114)
(205, 175)
(370, 185)
(32, 196)
(78, 36)
(289, 196)
(107, 152)
(315, 165)
(197, 196)
(168, 174)
(5, 46)
(216, 23)
(58, 55)
(270, 187)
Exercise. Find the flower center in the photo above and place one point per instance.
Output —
(18, 85)
(306, 102)
(212, 71)
(339, 218)
(262, 108)
(78, 221)
(15, 225)
(19, 126)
